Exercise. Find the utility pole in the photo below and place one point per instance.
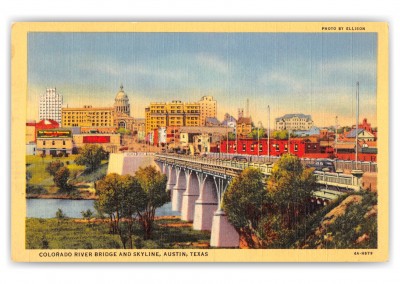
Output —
(357, 113)
(236, 136)
(247, 108)
(356, 172)
(227, 140)
(258, 139)
(336, 136)
(269, 127)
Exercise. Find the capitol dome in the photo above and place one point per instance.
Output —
(121, 104)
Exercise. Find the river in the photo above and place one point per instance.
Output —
(47, 208)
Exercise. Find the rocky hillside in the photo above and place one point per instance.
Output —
(351, 224)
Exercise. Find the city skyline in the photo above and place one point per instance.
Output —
(310, 73)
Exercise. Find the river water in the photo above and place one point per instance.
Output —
(47, 208)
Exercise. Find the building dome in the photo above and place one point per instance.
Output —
(121, 95)
(121, 104)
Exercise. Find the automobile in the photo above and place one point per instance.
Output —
(239, 159)
(322, 164)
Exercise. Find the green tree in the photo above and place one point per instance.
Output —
(126, 197)
(257, 133)
(231, 136)
(280, 134)
(153, 183)
(289, 189)
(244, 203)
(108, 190)
(54, 166)
(91, 157)
(120, 197)
(60, 215)
(61, 178)
(88, 214)
(123, 131)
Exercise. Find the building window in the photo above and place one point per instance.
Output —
(285, 147)
(252, 147)
(244, 147)
(63, 142)
(260, 147)
(44, 142)
(296, 147)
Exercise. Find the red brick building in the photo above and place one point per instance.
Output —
(296, 146)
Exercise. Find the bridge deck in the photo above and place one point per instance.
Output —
(233, 168)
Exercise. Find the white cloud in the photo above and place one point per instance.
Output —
(212, 62)
(282, 80)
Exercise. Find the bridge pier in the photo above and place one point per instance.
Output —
(205, 205)
(179, 188)
(171, 174)
(223, 234)
(189, 196)
(164, 169)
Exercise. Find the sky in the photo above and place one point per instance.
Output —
(310, 73)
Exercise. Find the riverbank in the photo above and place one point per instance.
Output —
(63, 196)
(76, 233)
(40, 184)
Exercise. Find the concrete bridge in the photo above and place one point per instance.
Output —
(197, 186)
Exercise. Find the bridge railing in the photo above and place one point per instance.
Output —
(339, 164)
(336, 179)
(264, 168)
(332, 179)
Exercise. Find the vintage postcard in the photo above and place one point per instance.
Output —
(200, 142)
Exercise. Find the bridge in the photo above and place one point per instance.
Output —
(197, 185)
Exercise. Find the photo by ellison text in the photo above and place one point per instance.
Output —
(340, 28)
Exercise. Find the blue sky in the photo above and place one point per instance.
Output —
(310, 73)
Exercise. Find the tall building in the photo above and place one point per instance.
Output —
(208, 108)
(175, 113)
(88, 116)
(121, 104)
(50, 105)
(296, 121)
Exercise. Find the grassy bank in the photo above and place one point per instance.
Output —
(41, 184)
(79, 234)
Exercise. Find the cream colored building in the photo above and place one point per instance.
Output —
(88, 116)
(121, 102)
(54, 141)
(208, 108)
(297, 121)
(175, 113)
(122, 111)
